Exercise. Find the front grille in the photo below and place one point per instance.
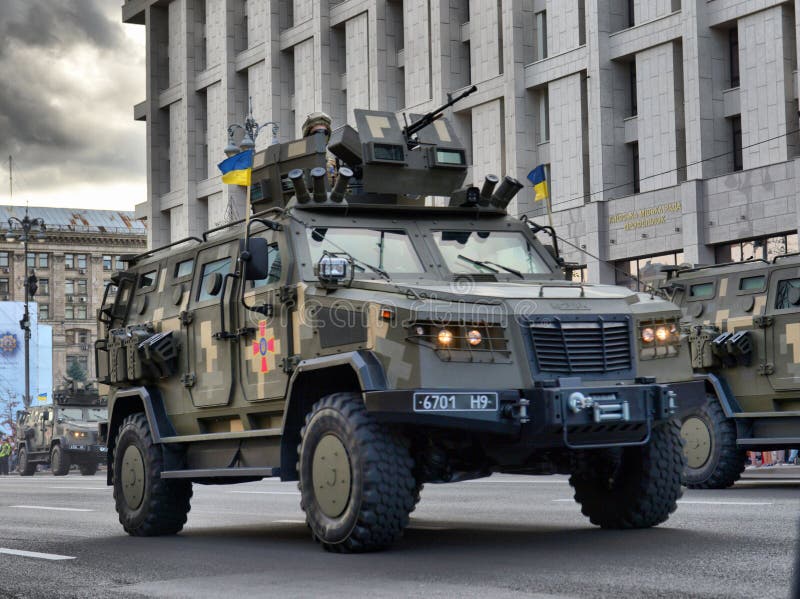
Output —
(588, 346)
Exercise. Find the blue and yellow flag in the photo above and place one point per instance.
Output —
(236, 170)
(539, 180)
(42, 397)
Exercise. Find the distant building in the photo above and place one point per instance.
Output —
(81, 250)
(669, 127)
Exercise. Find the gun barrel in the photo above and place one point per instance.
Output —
(433, 115)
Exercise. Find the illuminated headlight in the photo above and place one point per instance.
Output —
(445, 337)
(659, 339)
(474, 337)
(78, 434)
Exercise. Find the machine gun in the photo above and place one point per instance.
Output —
(410, 130)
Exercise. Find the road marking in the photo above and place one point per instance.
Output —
(288, 521)
(725, 502)
(267, 492)
(560, 500)
(47, 507)
(70, 488)
(48, 556)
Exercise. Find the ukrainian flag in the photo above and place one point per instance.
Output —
(539, 180)
(42, 397)
(236, 170)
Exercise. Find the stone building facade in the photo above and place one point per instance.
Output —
(669, 127)
(80, 251)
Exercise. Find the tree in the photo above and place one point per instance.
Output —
(76, 372)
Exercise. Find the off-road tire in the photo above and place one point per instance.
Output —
(24, 466)
(726, 461)
(631, 487)
(88, 469)
(382, 490)
(164, 504)
(59, 461)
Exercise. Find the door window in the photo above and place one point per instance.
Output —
(221, 267)
(782, 295)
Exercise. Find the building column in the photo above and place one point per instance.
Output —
(693, 224)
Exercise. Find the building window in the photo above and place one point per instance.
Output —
(635, 163)
(118, 263)
(69, 312)
(81, 312)
(112, 290)
(544, 115)
(576, 274)
(80, 361)
(69, 261)
(736, 129)
(106, 261)
(69, 287)
(44, 311)
(628, 272)
(82, 336)
(44, 286)
(81, 258)
(541, 35)
(4, 286)
(733, 46)
(634, 101)
(631, 14)
(4, 259)
(43, 260)
(81, 286)
(31, 260)
(760, 248)
(75, 311)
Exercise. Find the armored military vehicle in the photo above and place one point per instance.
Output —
(64, 433)
(374, 327)
(743, 325)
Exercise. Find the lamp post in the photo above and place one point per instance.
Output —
(28, 227)
(251, 130)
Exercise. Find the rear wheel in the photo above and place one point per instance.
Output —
(59, 461)
(713, 460)
(356, 482)
(632, 487)
(88, 469)
(24, 466)
(146, 504)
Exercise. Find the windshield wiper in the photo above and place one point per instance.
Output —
(485, 264)
(360, 264)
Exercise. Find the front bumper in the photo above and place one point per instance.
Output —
(86, 451)
(572, 416)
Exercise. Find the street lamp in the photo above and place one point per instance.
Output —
(29, 228)
(251, 130)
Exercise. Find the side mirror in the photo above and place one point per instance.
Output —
(255, 258)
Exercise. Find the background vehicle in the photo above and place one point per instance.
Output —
(64, 433)
(743, 326)
(364, 342)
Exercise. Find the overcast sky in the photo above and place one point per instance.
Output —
(71, 72)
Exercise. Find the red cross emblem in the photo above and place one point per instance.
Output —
(263, 346)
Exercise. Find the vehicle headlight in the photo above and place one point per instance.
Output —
(451, 338)
(474, 337)
(659, 338)
(78, 434)
(445, 337)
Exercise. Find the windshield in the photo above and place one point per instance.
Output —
(388, 249)
(96, 414)
(87, 415)
(469, 252)
(71, 414)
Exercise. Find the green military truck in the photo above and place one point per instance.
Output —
(64, 433)
(742, 321)
(356, 338)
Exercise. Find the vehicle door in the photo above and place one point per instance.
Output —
(783, 306)
(44, 430)
(210, 381)
(265, 340)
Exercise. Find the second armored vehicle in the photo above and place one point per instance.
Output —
(363, 342)
(62, 434)
(743, 324)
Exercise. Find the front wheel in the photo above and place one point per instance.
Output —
(713, 460)
(88, 469)
(356, 482)
(146, 504)
(24, 466)
(59, 461)
(631, 487)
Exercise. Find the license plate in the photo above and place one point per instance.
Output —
(455, 402)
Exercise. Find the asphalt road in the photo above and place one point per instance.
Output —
(504, 537)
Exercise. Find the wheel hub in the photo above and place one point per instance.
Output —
(697, 442)
(132, 477)
(330, 475)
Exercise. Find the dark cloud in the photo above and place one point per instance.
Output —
(70, 77)
(48, 24)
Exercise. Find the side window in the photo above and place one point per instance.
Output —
(274, 262)
(755, 283)
(148, 279)
(208, 289)
(701, 291)
(783, 296)
(184, 268)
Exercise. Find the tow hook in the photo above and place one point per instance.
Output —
(610, 409)
(672, 405)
